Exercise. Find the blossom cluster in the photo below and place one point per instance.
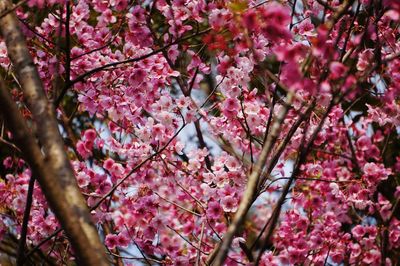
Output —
(170, 103)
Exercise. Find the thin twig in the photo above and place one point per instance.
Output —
(187, 241)
(136, 59)
(199, 244)
(177, 205)
(8, 11)
(25, 221)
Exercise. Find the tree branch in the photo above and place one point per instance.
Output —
(60, 188)
(219, 254)
(25, 221)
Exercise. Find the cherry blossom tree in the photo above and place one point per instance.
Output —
(199, 132)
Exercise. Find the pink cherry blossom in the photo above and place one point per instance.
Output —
(214, 210)
(229, 204)
(177, 114)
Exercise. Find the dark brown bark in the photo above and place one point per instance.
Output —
(50, 184)
(54, 172)
(8, 246)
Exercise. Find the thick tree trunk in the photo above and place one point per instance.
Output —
(55, 173)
